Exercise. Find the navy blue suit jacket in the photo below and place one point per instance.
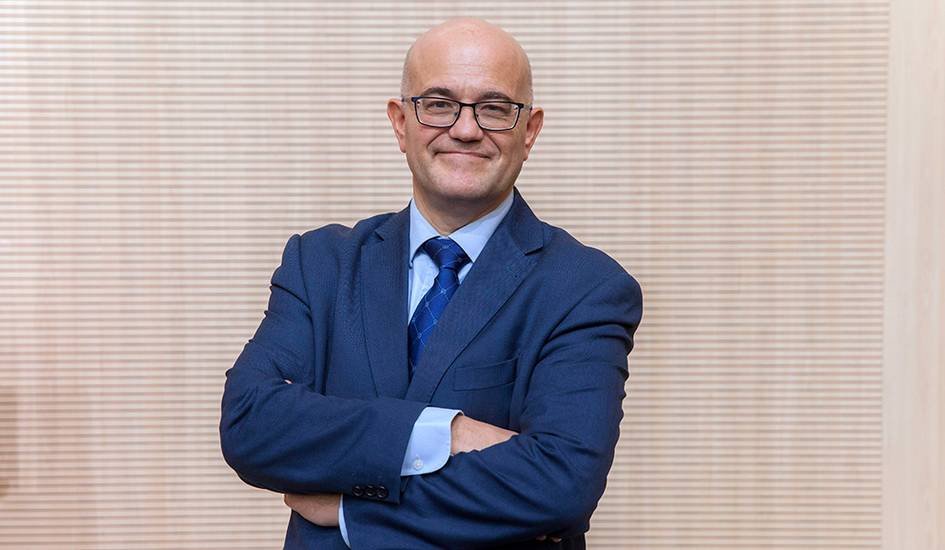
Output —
(534, 340)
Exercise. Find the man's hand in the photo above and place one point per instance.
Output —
(473, 435)
(320, 508)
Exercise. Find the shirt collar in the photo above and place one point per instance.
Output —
(472, 237)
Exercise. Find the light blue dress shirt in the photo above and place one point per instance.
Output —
(429, 446)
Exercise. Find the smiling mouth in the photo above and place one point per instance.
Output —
(462, 153)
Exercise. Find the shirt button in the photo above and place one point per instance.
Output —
(417, 464)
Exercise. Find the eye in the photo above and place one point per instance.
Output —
(496, 108)
(438, 105)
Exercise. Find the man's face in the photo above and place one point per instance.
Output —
(465, 163)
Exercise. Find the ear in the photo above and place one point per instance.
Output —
(536, 119)
(398, 120)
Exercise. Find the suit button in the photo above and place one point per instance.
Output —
(382, 492)
(357, 491)
(371, 491)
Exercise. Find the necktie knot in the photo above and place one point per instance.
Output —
(446, 253)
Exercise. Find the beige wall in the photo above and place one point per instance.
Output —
(914, 298)
(771, 171)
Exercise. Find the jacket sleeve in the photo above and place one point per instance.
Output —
(548, 479)
(279, 434)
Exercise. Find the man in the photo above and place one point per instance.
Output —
(451, 375)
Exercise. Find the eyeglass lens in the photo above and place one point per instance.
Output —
(491, 115)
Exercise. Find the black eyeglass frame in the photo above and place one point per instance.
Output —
(518, 112)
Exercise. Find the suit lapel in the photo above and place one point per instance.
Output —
(384, 304)
(499, 270)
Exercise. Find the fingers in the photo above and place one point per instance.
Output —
(469, 434)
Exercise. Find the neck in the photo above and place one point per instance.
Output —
(449, 216)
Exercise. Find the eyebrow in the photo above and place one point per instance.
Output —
(446, 92)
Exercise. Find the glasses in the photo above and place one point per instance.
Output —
(493, 115)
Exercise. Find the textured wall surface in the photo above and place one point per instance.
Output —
(732, 154)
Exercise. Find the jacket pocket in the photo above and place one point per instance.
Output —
(487, 376)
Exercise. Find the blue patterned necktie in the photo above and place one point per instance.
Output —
(449, 258)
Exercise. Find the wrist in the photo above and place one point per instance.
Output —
(456, 427)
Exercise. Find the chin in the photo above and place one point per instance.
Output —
(470, 193)
(462, 187)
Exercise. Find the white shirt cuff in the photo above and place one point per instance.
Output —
(430, 441)
(341, 520)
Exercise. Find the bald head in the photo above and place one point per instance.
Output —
(463, 40)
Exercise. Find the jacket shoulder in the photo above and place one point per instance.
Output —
(567, 253)
(336, 237)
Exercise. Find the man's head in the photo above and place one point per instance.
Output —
(464, 169)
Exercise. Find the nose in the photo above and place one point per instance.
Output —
(466, 128)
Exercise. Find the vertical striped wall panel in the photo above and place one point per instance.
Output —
(155, 156)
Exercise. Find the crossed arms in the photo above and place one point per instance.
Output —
(545, 481)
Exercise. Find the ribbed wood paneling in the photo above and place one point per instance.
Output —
(155, 156)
